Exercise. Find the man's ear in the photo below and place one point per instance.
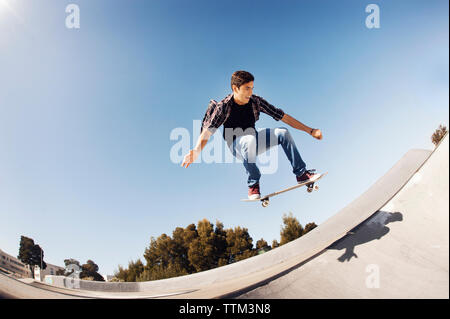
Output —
(234, 88)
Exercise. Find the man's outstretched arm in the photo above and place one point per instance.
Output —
(316, 133)
(190, 157)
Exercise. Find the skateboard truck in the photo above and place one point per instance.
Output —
(312, 187)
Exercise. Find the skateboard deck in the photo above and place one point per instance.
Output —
(265, 199)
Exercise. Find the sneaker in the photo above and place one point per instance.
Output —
(253, 192)
(308, 175)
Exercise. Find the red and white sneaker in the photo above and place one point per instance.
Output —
(253, 192)
(308, 175)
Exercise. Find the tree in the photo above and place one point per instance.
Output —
(192, 249)
(90, 269)
(37, 257)
(309, 227)
(166, 257)
(275, 244)
(239, 244)
(261, 244)
(292, 229)
(181, 239)
(136, 269)
(157, 272)
(121, 274)
(201, 250)
(159, 252)
(132, 274)
(438, 134)
(220, 243)
(31, 254)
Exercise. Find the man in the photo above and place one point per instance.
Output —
(238, 113)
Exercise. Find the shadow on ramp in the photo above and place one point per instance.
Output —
(372, 229)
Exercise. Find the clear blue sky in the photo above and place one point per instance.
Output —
(86, 114)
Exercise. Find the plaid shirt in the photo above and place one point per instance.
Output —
(218, 112)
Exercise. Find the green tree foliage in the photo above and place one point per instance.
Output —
(239, 244)
(181, 239)
(438, 134)
(132, 273)
(309, 227)
(25, 248)
(31, 254)
(202, 251)
(90, 269)
(167, 257)
(192, 249)
(121, 274)
(197, 248)
(275, 244)
(220, 243)
(292, 229)
(261, 244)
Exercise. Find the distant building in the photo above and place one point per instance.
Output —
(13, 266)
(50, 270)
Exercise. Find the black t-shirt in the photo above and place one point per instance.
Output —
(241, 116)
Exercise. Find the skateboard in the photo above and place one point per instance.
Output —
(310, 187)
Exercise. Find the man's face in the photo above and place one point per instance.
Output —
(242, 95)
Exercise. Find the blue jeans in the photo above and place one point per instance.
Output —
(247, 147)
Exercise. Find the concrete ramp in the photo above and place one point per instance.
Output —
(401, 251)
(391, 242)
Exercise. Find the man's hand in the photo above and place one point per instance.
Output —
(316, 133)
(190, 158)
(195, 152)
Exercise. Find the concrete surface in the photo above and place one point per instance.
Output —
(402, 251)
(399, 249)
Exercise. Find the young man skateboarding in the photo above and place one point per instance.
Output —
(238, 113)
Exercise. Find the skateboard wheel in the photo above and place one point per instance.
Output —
(316, 187)
(265, 203)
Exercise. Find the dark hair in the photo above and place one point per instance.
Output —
(241, 77)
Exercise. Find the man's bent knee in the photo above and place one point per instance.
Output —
(282, 133)
(248, 147)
